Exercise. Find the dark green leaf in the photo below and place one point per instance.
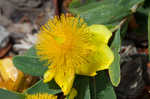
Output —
(104, 12)
(30, 65)
(124, 29)
(114, 70)
(83, 88)
(101, 87)
(5, 94)
(41, 87)
(77, 4)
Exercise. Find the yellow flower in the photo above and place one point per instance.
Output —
(40, 96)
(72, 47)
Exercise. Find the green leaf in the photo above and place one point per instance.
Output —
(76, 3)
(149, 35)
(30, 65)
(144, 11)
(31, 52)
(83, 88)
(101, 87)
(104, 12)
(41, 87)
(124, 29)
(114, 70)
(5, 94)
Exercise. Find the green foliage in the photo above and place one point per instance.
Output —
(98, 87)
(41, 87)
(5, 94)
(101, 87)
(114, 70)
(30, 63)
(104, 12)
(83, 87)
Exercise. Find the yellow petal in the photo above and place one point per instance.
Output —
(100, 59)
(100, 33)
(87, 69)
(49, 75)
(103, 56)
(73, 93)
(65, 80)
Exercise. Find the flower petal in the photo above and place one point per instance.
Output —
(87, 69)
(100, 33)
(100, 59)
(65, 80)
(49, 75)
(103, 56)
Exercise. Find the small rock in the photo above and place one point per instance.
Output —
(127, 49)
(21, 28)
(24, 44)
(132, 80)
(26, 3)
(4, 21)
(4, 37)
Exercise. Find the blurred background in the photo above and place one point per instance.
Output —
(20, 21)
